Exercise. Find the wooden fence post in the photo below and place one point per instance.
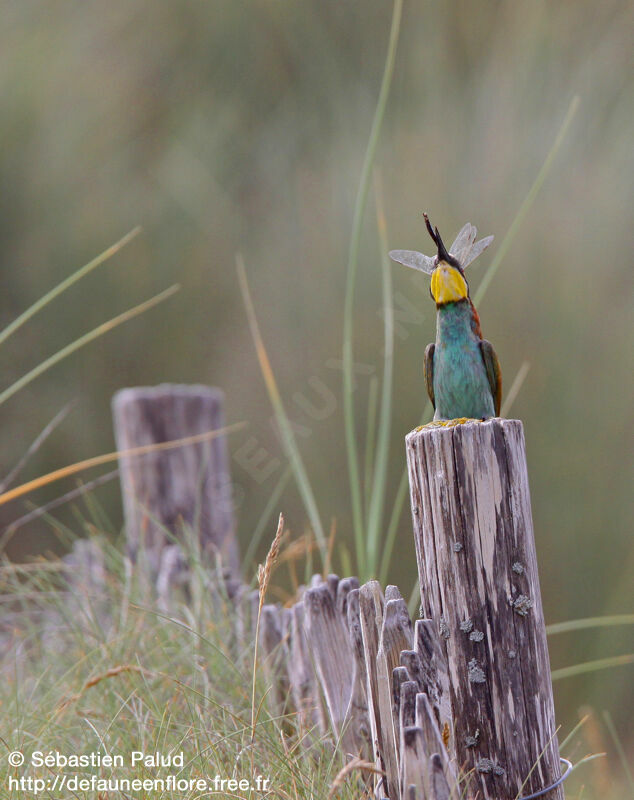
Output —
(187, 485)
(479, 583)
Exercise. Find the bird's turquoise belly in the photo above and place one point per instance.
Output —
(461, 387)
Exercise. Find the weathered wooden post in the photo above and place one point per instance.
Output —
(188, 485)
(479, 583)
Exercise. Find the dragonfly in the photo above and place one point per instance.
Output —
(464, 250)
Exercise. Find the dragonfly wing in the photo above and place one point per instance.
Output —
(476, 250)
(465, 238)
(463, 254)
(410, 258)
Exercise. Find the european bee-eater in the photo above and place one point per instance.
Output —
(462, 372)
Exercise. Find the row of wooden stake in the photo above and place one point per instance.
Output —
(465, 694)
(347, 659)
(456, 705)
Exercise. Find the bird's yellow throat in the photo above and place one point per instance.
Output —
(447, 284)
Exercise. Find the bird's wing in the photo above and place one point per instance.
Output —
(429, 372)
(410, 258)
(494, 374)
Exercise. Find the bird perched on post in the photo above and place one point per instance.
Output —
(462, 371)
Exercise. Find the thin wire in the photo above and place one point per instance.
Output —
(541, 792)
(557, 783)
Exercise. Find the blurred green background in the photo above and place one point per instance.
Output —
(231, 126)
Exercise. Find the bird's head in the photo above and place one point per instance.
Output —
(448, 283)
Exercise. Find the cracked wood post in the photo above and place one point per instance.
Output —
(478, 575)
(188, 485)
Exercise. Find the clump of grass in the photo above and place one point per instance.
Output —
(96, 668)
(103, 671)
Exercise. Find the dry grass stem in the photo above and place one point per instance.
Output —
(297, 549)
(110, 673)
(265, 571)
(264, 576)
(331, 544)
(96, 461)
(355, 764)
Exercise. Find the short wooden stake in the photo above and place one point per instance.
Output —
(303, 682)
(371, 610)
(331, 650)
(479, 583)
(188, 485)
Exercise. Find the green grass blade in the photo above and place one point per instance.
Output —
(618, 744)
(392, 527)
(573, 733)
(286, 430)
(397, 509)
(370, 440)
(353, 257)
(66, 284)
(266, 515)
(413, 604)
(100, 330)
(528, 202)
(592, 666)
(513, 392)
(345, 560)
(377, 502)
(589, 622)
(35, 446)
